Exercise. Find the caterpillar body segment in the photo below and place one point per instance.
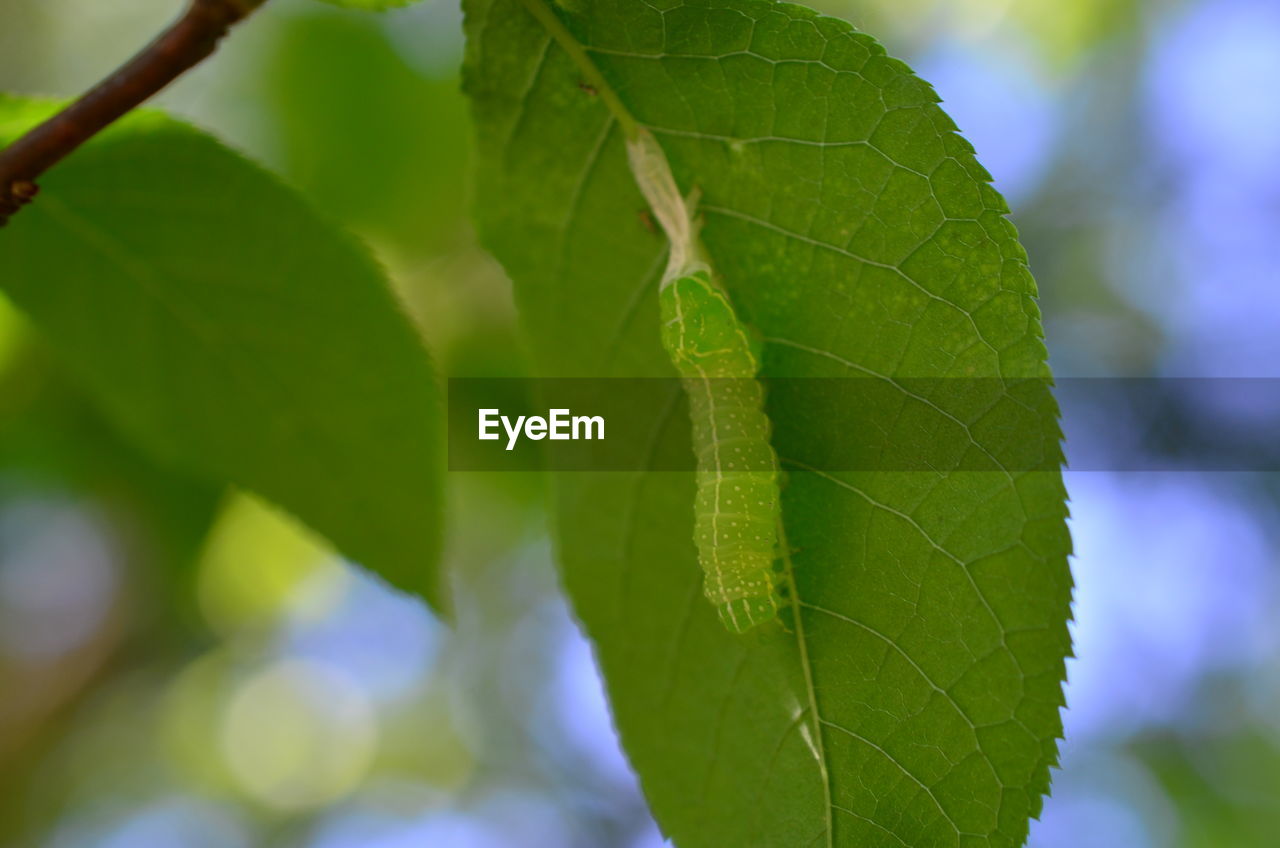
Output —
(736, 509)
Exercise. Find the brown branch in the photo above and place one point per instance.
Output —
(187, 42)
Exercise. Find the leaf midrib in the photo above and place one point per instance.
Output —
(820, 749)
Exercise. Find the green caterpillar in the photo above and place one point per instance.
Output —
(737, 510)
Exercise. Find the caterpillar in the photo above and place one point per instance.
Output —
(736, 508)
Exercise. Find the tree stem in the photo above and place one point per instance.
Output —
(187, 42)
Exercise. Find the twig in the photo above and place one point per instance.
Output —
(187, 42)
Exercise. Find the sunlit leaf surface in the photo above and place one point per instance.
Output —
(236, 334)
(915, 698)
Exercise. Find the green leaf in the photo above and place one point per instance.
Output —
(235, 334)
(391, 165)
(915, 700)
(371, 5)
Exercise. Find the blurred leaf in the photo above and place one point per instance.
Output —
(1222, 782)
(253, 565)
(914, 699)
(235, 334)
(371, 140)
(12, 334)
(374, 5)
(52, 439)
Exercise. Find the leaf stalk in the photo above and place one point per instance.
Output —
(591, 73)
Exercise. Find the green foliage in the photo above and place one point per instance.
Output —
(371, 5)
(234, 333)
(363, 135)
(914, 700)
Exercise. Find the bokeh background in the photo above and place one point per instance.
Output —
(181, 666)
